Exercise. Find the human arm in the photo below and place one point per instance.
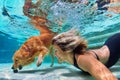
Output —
(90, 64)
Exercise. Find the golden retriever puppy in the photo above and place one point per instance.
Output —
(33, 47)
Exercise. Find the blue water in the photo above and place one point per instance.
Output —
(15, 29)
(93, 25)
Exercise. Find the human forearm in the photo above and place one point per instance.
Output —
(91, 65)
(100, 72)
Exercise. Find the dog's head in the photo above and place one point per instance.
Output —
(27, 52)
(20, 59)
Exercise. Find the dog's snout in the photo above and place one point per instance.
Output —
(15, 71)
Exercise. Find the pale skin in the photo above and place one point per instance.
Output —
(87, 60)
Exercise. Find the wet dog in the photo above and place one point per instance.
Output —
(33, 47)
(36, 46)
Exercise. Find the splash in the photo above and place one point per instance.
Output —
(38, 13)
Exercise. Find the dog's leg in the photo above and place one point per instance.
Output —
(51, 52)
(41, 56)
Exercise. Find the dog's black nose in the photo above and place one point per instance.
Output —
(15, 71)
(20, 67)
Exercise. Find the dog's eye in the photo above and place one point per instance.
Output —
(16, 60)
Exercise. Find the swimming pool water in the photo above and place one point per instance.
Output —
(15, 29)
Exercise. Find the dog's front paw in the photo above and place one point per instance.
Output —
(39, 61)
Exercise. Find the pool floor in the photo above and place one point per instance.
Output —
(45, 72)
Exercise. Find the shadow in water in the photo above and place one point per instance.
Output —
(71, 72)
(75, 72)
(44, 71)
